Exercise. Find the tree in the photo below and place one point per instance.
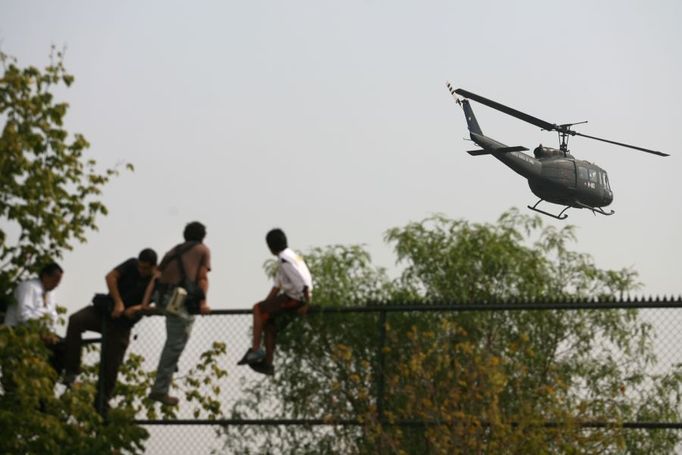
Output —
(49, 199)
(479, 382)
(49, 189)
(35, 419)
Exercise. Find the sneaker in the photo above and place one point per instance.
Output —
(263, 368)
(243, 359)
(164, 398)
(252, 357)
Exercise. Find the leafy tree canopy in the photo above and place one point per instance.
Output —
(485, 382)
(49, 190)
(49, 199)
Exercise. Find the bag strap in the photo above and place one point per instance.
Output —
(178, 256)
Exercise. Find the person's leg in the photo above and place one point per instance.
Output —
(88, 318)
(257, 327)
(177, 334)
(117, 339)
(284, 317)
(270, 336)
(58, 355)
(264, 314)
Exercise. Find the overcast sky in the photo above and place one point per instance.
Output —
(332, 121)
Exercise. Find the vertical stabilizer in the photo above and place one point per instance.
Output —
(472, 123)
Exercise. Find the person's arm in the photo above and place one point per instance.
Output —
(273, 293)
(112, 284)
(202, 281)
(145, 304)
(303, 309)
(202, 278)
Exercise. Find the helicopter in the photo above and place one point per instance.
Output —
(554, 175)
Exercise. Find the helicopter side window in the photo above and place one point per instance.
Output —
(606, 181)
(594, 176)
(582, 173)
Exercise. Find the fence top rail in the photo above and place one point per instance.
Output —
(497, 305)
(401, 423)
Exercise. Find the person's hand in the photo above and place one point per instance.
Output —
(132, 311)
(204, 308)
(119, 309)
(303, 310)
(49, 338)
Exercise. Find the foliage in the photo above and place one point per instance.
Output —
(35, 420)
(38, 417)
(49, 189)
(464, 381)
(49, 199)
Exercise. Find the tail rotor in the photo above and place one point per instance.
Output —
(452, 92)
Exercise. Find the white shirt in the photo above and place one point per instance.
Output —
(32, 302)
(293, 275)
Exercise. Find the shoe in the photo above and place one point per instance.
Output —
(242, 361)
(252, 357)
(263, 368)
(164, 398)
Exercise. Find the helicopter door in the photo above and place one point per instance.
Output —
(582, 177)
(594, 178)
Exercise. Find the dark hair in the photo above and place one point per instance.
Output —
(276, 240)
(147, 255)
(50, 269)
(194, 231)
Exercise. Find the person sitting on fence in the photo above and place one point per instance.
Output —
(291, 293)
(35, 301)
(113, 314)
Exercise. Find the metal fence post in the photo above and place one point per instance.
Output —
(100, 400)
(381, 363)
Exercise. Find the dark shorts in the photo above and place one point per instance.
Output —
(278, 305)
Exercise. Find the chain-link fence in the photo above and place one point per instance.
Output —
(651, 343)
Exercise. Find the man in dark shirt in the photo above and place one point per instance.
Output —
(127, 284)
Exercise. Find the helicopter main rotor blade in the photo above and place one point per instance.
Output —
(621, 144)
(508, 110)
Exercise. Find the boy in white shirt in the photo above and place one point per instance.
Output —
(291, 292)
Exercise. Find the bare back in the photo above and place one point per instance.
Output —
(197, 256)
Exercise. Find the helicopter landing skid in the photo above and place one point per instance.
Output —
(595, 210)
(560, 216)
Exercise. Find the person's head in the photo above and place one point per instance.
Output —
(146, 261)
(194, 232)
(276, 240)
(50, 276)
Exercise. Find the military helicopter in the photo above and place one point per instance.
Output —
(554, 175)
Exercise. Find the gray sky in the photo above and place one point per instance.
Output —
(332, 121)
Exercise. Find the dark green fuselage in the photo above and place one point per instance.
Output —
(552, 175)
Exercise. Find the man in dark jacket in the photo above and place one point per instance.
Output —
(115, 314)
